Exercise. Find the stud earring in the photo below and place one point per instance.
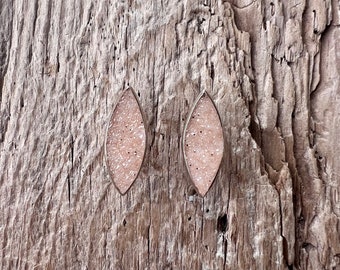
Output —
(203, 143)
(125, 141)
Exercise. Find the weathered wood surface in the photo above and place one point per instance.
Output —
(271, 67)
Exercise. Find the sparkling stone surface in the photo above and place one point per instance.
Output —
(125, 145)
(203, 144)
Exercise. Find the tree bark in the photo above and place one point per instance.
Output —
(272, 68)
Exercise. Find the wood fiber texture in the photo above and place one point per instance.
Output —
(271, 67)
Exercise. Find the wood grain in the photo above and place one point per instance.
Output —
(271, 67)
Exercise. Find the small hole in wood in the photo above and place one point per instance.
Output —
(192, 192)
(222, 223)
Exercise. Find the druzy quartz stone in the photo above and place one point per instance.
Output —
(125, 141)
(203, 143)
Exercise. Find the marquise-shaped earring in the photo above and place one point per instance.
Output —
(203, 143)
(125, 141)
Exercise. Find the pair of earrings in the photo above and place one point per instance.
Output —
(202, 143)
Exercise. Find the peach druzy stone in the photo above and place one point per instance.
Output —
(125, 145)
(203, 144)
